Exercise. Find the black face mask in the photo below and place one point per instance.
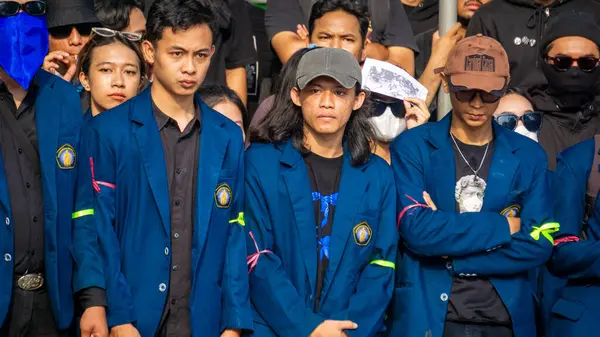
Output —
(573, 81)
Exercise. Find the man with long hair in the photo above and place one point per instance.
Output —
(320, 210)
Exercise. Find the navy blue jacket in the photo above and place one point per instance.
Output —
(280, 215)
(129, 213)
(577, 309)
(58, 122)
(475, 243)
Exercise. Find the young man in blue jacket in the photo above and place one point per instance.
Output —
(475, 210)
(577, 252)
(320, 209)
(163, 192)
(40, 121)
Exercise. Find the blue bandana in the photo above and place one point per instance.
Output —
(24, 44)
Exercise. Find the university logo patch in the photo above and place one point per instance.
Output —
(362, 234)
(512, 211)
(65, 157)
(223, 196)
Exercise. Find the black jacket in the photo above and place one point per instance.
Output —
(564, 123)
(519, 26)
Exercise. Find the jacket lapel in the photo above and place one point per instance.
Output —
(295, 176)
(502, 170)
(353, 185)
(48, 119)
(4, 197)
(442, 175)
(152, 154)
(213, 145)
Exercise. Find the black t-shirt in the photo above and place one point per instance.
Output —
(473, 299)
(285, 15)
(423, 17)
(234, 45)
(324, 175)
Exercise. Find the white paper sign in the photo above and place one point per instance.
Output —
(387, 79)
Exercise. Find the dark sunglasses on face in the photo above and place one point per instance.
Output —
(564, 63)
(33, 8)
(63, 32)
(380, 106)
(531, 120)
(468, 95)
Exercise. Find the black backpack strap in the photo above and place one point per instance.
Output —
(593, 183)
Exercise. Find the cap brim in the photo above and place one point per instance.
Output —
(344, 80)
(486, 83)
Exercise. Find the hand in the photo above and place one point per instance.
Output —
(93, 322)
(441, 46)
(330, 328)
(125, 330)
(231, 333)
(302, 32)
(429, 201)
(417, 112)
(51, 64)
(515, 225)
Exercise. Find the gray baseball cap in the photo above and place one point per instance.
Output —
(331, 62)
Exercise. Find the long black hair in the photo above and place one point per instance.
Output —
(285, 122)
(214, 94)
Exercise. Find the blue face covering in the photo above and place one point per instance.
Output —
(23, 46)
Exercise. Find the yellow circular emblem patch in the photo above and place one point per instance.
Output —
(65, 157)
(362, 234)
(512, 211)
(223, 196)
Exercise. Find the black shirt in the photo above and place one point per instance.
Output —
(234, 45)
(19, 144)
(181, 157)
(424, 16)
(473, 299)
(424, 42)
(285, 15)
(324, 175)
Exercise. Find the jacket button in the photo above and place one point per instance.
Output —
(449, 265)
(7, 257)
(166, 250)
(162, 287)
(7, 220)
(444, 297)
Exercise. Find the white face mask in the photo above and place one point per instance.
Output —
(387, 126)
(522, 130)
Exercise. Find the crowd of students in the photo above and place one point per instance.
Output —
(153, 184)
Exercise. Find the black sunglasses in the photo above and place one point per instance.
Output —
(468, 95)
(12, 8)
(63, 32)
(397, 108)
(532, 120)
(585, 63)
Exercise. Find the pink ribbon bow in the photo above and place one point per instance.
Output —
(97, 184)
(409, 207)
(252, 260)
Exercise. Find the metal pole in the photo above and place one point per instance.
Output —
(448, 16)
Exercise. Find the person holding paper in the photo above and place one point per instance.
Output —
(475, 210)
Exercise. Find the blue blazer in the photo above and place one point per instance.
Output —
(130, 254)
(280, 214)
(58, 122)
(577, 309)
(475, 243)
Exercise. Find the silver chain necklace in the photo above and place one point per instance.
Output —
(465, 159)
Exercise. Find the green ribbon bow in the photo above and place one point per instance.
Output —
(545, 230)
(239, 219)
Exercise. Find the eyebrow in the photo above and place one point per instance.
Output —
(112, 63)
(178, 48)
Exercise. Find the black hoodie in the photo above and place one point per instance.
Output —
(519, 26)
(424, 16)
(564, 123)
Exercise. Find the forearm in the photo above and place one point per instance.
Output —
(236, 81)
